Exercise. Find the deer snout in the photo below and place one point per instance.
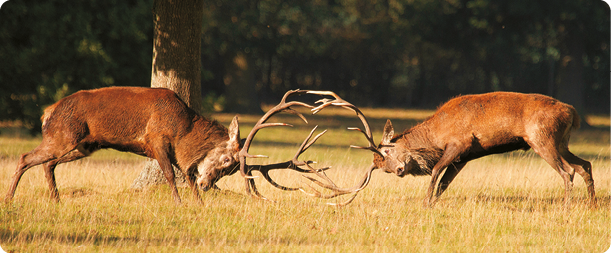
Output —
(400, 171)
(207, 181)
(204, 184)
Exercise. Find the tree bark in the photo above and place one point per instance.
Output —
(176, 66)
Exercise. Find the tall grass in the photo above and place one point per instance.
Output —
(510, 202)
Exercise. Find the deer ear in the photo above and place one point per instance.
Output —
(389, 132)
(234, 131)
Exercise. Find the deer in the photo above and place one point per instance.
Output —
(155, 123)
(473, 126)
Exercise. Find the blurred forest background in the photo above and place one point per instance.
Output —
(390, 53)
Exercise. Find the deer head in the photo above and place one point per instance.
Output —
(222, 160)
(396, 157)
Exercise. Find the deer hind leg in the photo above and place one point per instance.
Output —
(49, 168)
(584, 168)
(549, 152)
(39, 155)
(42, 154)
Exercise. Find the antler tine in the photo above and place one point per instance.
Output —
(282, 106)
(338, 191)
(345, 104)
(251, 188)
(293, 164)
(368, 135)
(305, 145)
(245, 169)
(272, 182)
(367, 132)
(371, 146)
(291, 111)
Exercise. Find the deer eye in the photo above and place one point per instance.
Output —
(227, 160)
(387, 151)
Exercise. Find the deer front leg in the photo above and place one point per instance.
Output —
(447, 178)
(190, 175)
(168, 172)
(451, 153)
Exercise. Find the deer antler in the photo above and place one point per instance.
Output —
(372, 147)
(294, 164)
(246, 170)
(338, 191)
(343, 103)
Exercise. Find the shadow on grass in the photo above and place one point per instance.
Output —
(10, 236)
(527, 203)
(13, 237)
(228, 193)
(76, 192)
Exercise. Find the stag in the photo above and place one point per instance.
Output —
(156, 123)
(152, 122)
(472, 126)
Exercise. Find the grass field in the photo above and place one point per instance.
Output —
(501, 203)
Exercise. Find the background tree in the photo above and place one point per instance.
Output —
(51, 49)
(398, 53)
(176, 64)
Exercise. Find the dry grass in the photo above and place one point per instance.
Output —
(510, 202)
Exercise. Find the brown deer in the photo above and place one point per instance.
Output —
(152, 122)
(472, 126)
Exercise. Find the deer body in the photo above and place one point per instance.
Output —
(473, 126)
(151, 122)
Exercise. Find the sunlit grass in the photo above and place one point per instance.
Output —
(501, 203)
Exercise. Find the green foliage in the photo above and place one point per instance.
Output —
(409, 53)
(376, 53)
(54, 48)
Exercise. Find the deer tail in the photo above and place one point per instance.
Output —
(576, 119)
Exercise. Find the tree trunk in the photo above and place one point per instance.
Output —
(176, 66)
